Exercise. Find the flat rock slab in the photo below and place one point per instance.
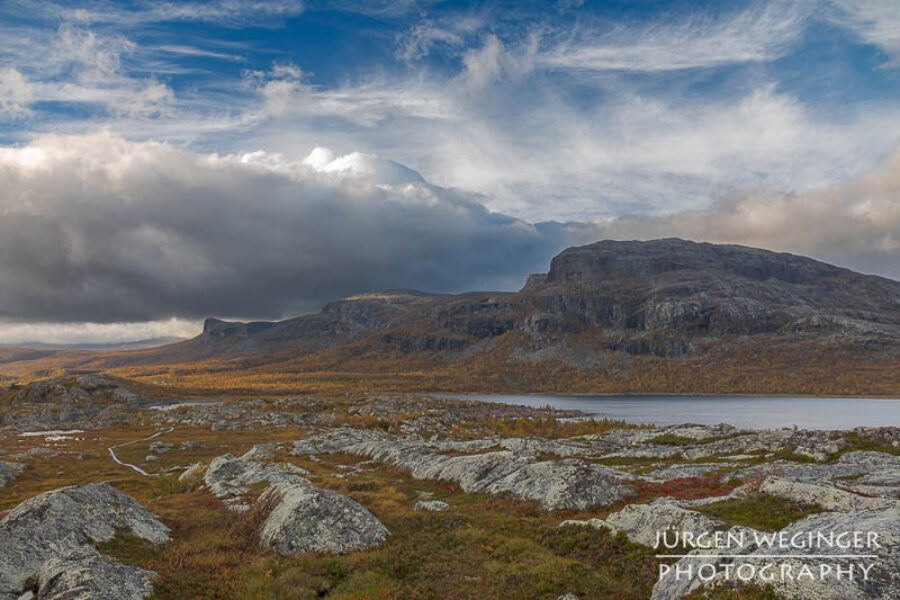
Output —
(431, 505)
(308, 519)
(827, 496)
(561, 484)
(642, 523)
(882, 560)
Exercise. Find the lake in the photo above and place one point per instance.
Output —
(752, 412)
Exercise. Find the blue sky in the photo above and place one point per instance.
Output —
(556, 122)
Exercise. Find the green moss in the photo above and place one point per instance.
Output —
(127, 547)
(764, 512)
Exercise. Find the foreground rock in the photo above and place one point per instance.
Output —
(302, 518)
(229, 477)
(641, 523)
(559, 484)
(48, 539)
(828, 497)
(309, 519)
(879, 582)
(83, 574)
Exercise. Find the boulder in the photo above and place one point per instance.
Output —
(228, 476)
(309, 519)
(59, 524)
(83, 574)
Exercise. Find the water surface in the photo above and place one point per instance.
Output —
(752, 412)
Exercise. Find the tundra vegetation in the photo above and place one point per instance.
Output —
(396, 458)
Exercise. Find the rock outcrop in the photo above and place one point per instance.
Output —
(49, 539)
(83, 574)
(559, 484)
(309, 519)
(642, 523)
(229, 477)
(881, 560)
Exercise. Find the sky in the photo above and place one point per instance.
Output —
(161, 162)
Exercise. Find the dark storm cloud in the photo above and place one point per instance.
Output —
(99, 229)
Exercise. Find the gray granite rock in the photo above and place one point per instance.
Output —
(642, 523)
(56, 524)
(568, 483)
(228, 477)
(309, 519)
(83, 574)
(431, 505)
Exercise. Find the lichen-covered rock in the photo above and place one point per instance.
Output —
(679, 471)
(431, 505)
(159, 447)
(309, 519)
(882, 560)
(84, 574)
(228, 476)
(192, 471)
(828, 497)
(642, 523)
(57, 523)
(562, 484)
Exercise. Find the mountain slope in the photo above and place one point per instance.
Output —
(663, 298)
(659, 316)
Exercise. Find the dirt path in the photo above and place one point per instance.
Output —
(112, 452)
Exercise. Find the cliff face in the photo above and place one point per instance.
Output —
(664, 297)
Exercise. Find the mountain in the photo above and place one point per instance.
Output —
(616, 316)
(664, 298)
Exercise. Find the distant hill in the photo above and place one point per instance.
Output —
(134, 345)
(663, 315)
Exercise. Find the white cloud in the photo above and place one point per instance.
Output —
(533, 154)
(421, 38)
(756, 34)
(854, 224)
(16, 93)
(78, 66)
(222, 12)
(12, 333)
(875, 21)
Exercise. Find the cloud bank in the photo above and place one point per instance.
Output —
(96, 228)
(99, 229)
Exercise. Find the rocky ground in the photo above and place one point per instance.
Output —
(403, 496)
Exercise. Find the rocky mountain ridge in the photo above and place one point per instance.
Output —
(664, 298)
